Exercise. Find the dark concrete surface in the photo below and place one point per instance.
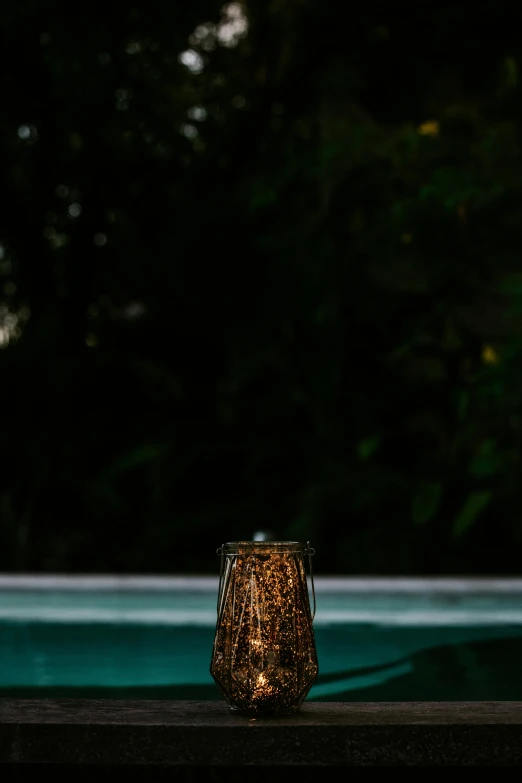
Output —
(78, 734)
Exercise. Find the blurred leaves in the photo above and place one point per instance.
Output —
(487, 461)
(509, 76)
(273, 279)
(145, 455)
(426, 501)
(473, 507)
(367, 447)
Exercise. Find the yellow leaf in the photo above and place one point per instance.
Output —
(489, 355)
(429, 128)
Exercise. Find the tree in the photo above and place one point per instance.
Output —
(261, 270)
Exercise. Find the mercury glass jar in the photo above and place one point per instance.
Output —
(264, 658)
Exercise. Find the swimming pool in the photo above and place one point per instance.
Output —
(377, 639)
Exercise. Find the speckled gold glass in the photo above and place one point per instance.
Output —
(264, 657)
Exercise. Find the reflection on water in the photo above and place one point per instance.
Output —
(477, 671)
(357, 663)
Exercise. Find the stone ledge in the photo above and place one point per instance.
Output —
(185, 734)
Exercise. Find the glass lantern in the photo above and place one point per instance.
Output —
(264, 658)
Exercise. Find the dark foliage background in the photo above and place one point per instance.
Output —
(261, 269)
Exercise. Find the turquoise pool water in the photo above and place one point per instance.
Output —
(376, 639)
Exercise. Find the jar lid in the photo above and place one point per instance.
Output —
(263, 547)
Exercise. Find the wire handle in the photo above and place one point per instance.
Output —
(311, 552)
(221, 552)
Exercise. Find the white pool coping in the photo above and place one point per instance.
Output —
(207, 618)
(208, 584)
(191, 600)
